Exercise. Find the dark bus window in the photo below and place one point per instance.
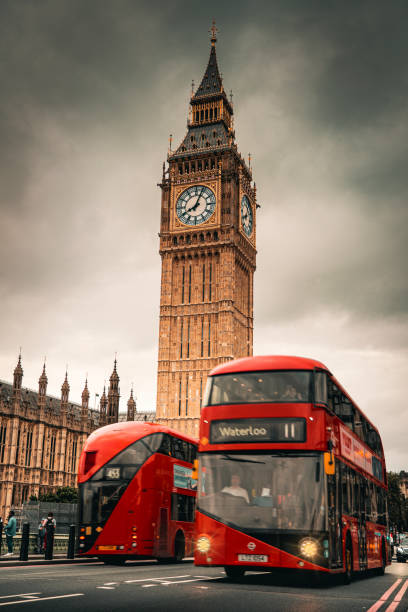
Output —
(345, 489)
(182, 507)
(192, 453)
(178, 449)
(346, 411)
(320, 387)
(165, 447)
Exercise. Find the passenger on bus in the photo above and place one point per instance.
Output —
(291, 393)
(235, 488)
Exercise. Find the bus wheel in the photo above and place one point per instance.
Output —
(113, 560)
(179, 548)
(348, 562)
(234, 571)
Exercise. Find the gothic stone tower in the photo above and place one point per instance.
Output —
(207, 246)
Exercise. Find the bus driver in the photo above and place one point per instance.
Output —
(235, 488)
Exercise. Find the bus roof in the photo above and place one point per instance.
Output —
(128, 432)
(268, 362)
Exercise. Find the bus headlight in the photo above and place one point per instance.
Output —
(309, 547)
(203, 544)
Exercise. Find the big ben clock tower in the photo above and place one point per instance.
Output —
(208, 252)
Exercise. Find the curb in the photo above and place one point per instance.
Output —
(42, 561)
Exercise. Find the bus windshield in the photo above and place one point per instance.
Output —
(256, 387)
(264, 491)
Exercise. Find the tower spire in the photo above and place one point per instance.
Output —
(113, 396)
(18, 374)
(65, 391)
(131, 407)
(213, 31)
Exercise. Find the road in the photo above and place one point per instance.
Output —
(146, 586)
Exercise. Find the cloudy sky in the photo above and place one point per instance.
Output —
(91, 90)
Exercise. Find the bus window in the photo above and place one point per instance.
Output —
(182, 508)
(321, 388)
(165, 446)
(285, 386)
(345, 489)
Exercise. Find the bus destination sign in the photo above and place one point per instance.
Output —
(238, 431)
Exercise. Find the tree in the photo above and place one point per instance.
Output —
(63, 495)
(397, 504)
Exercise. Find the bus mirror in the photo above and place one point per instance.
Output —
(329, 466)
(194, 472)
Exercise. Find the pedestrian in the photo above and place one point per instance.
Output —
(41, 535)
(10, 531)
(50, 525)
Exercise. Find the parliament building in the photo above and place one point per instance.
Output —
(208, 254)
(41, 437)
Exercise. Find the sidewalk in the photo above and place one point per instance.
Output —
(58, 559)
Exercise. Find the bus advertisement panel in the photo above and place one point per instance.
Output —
(136, 493)
(291, 473)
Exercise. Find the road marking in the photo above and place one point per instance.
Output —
(161, 578)
(385, 596)
(23, 601)
(146, 586)
(18, 595)
(109, 583)
(194, 580)
(397, 598)
(108, 588)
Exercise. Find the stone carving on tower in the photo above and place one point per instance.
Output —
(208, 253)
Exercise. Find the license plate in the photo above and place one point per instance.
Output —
(107, 547)
(253, 558)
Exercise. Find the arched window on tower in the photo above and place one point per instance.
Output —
(179, 402)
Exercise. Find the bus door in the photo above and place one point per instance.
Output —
(163, 531)
(334, 508)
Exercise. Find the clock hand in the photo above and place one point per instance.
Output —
(195, 206)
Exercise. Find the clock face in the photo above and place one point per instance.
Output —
(195, 205)
(246, 216)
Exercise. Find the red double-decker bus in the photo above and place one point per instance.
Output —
(136, 493)
(291, 473)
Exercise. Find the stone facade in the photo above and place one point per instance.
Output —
(41, 437)
(208, 252)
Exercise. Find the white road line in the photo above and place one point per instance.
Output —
(109, 583)
(193, 580)
(161, 578)
(107, 588)
(23, 601)
(146, 586)
(18, 595)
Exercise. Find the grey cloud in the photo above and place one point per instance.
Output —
(91, 91)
